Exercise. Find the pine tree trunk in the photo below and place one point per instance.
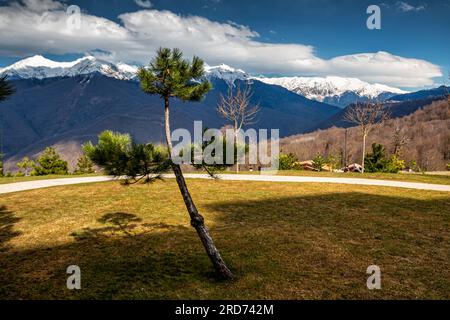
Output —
(197, 220)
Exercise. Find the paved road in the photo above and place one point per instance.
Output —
(38, 184)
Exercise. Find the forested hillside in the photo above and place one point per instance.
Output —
(423, 137)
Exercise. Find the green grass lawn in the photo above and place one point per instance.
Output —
(282, 241)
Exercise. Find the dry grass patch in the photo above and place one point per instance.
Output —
(283, 241)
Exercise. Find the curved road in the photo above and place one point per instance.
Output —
(38, 184)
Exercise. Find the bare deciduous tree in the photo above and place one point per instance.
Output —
(366, 115)
(236, 107)
(447, 91)
(400, 139)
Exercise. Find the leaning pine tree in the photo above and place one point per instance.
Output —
(171, 76)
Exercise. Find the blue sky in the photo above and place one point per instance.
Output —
(314, 37)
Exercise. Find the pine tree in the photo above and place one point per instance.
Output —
(84, 165)
(171, 76)
(119, 156)
(50, 162)
(25, 164)
(318, 162)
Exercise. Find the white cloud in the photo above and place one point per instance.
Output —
(25, 30)
(383, 67)
(144, 3)
(406, 7)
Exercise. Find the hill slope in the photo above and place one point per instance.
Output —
(398, 106)
(426, 133)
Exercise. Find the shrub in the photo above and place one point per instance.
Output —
(50, 162)
(333, 162)
(110, 151)
(84, 165)
(25, 164)
(395, 165)
(377, 161)
(318, 162)
(287, 161)
(119, 156)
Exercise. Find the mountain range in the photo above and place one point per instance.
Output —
(68, 103)
(336, 91)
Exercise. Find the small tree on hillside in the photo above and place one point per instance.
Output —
(50, 162)
(287, 161)
(400, 140)
(84, 165)
(26, 164)
(366, 115)
(377, 161)
(318, 162)
(236, 107)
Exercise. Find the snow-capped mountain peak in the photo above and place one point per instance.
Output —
(40, 67)
(36, 61)
(334, 90)
(226, 73)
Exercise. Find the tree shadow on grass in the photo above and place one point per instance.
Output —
(291, 247)
(116, 223)
(116, 262)
(121, 224)
(7, 222)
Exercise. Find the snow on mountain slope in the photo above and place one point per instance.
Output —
(334, 90)
(225, 73)
(40, 68)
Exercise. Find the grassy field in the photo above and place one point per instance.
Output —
(283, 241)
